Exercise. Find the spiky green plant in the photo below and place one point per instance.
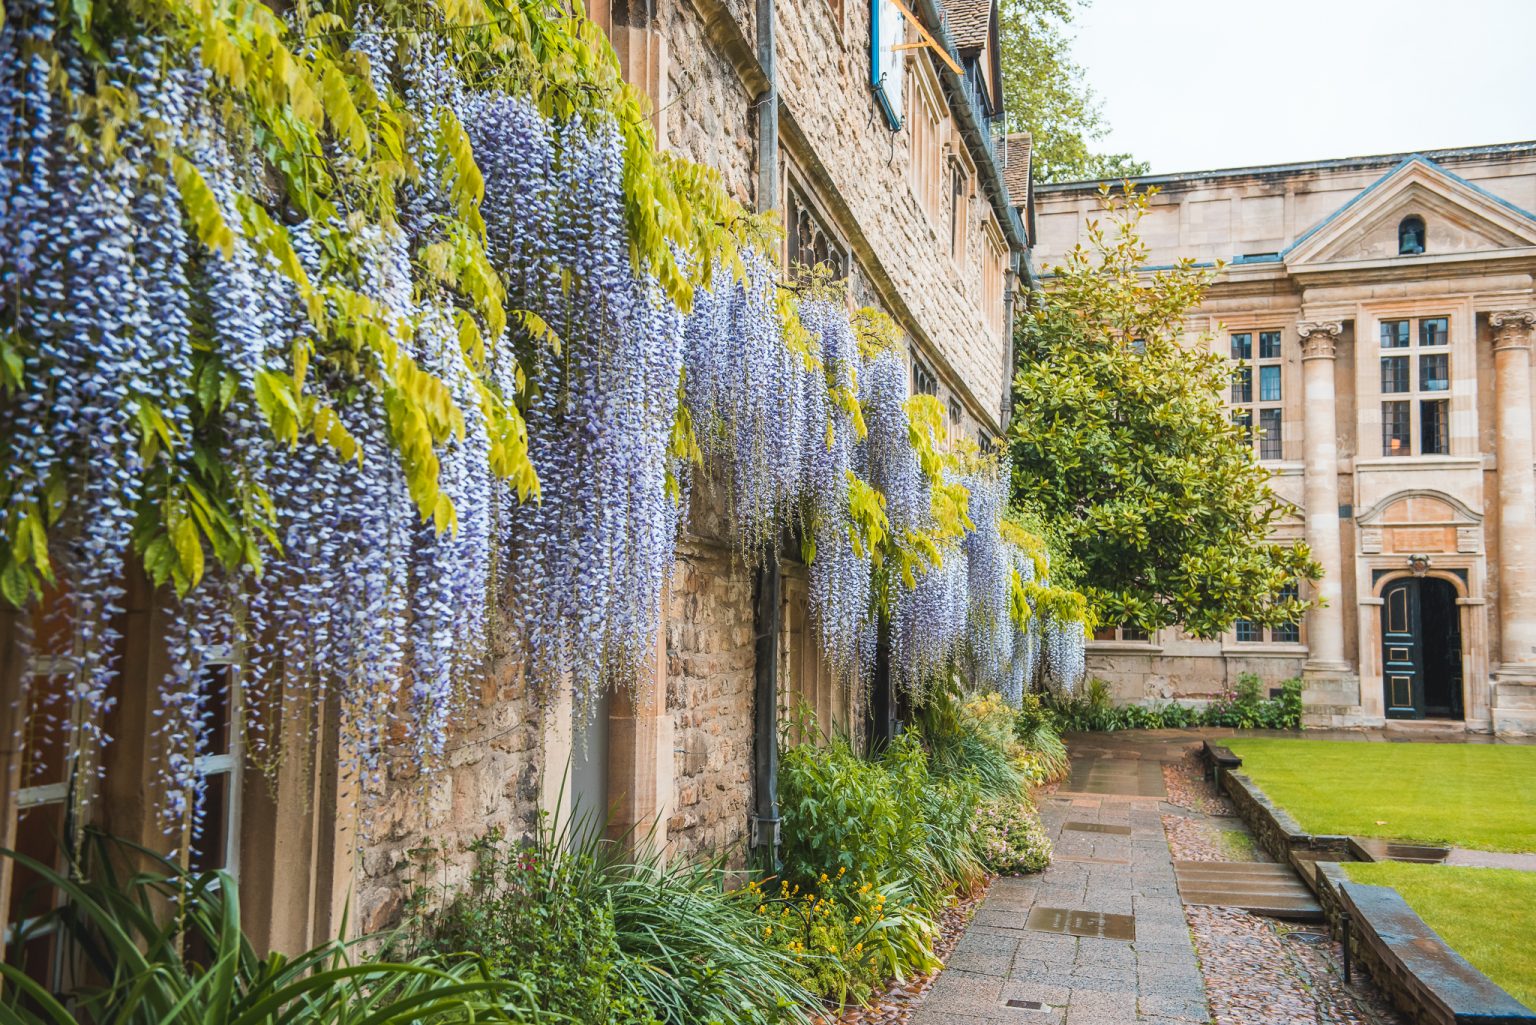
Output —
(156, 945)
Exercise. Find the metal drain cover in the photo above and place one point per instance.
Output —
(1097, 827)
(1028, 1005)
(1082, 923)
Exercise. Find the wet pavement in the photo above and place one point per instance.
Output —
(1103, 937)
(1099, 937)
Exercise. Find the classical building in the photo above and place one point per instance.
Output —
(872, 128)
(1378, 312)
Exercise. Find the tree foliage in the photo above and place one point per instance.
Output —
(1120, 438)
(1046, 96)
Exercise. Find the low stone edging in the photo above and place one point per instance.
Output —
(1425, 978)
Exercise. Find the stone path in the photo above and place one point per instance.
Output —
(1053, 948)
(1101, 936)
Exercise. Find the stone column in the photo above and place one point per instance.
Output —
(1325, 623)
(1512, 331)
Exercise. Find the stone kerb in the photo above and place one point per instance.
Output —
(1427, 980)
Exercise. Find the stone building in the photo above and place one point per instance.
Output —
(871, 128)
(1378, 312)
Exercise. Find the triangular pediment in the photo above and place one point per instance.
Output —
(1459, 217)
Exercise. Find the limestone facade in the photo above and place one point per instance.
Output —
(918, 218)
(1379, 312)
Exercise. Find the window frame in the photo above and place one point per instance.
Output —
(801, 206)
(1287, 638)
(1412, 407)
(922, 380)
(1247, 408)
(1122, 637)
(925, 118)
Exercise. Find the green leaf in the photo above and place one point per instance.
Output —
(202, 207)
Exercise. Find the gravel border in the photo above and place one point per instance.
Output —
(1257, 970)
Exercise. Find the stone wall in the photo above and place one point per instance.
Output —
(414, 828)
(836, 147)
(710, 676)
(1152, 675)
(823, 77)
(708, 114)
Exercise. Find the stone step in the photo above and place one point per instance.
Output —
(1370, 848)
(1261, 888)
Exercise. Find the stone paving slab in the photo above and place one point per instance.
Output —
(1152, 979)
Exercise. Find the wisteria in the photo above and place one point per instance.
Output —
(887, 458)
(990, 632)
(310, 422)
(749, 396)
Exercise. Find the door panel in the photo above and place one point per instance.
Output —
(1402, 650)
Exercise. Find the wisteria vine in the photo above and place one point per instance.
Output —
(367, 441)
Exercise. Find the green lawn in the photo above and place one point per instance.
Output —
(1462, 905)
(1469, 795)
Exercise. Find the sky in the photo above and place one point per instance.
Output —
(1192, 85)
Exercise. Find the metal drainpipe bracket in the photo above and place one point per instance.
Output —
(755, 832)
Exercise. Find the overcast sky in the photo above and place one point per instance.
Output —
(1194, 85)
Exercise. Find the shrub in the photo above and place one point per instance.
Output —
(1045, 756)
(689, 952)
(970, 739)
(566, 947)
(1009, 837)
(1245, 707)
(196, 966)
(841, 811)
(848, 935)
(600, 941)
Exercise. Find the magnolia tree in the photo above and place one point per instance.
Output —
(1121, 440)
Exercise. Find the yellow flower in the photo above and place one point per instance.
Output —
(840, 872)
(857, 919)
(761, 908)
(767, 930)
(823, 877)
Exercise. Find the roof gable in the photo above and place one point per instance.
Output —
(1459, 217)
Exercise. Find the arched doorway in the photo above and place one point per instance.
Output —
(1421, 649)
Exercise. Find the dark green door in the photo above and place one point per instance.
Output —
(1402, 650)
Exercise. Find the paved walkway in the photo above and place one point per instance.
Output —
(1027, 958)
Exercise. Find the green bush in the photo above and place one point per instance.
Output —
(1010, 838)
(551, 902)
(636, 943)
(848, 935)
(1245, 707)
(966, 739)
(1035, 730)
(146, 966)
(844, 812)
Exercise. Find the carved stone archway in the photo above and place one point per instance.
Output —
(1424, 533)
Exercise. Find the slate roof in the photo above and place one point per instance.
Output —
(967, 21)
(1016, 170)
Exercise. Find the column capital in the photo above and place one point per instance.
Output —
(1512, 329)
(1319, 338)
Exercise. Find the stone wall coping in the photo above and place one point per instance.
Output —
(1418, 970)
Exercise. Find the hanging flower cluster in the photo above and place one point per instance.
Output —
(420, 373)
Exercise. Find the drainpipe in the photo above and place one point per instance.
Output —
(763, 834)
(1005, 414)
